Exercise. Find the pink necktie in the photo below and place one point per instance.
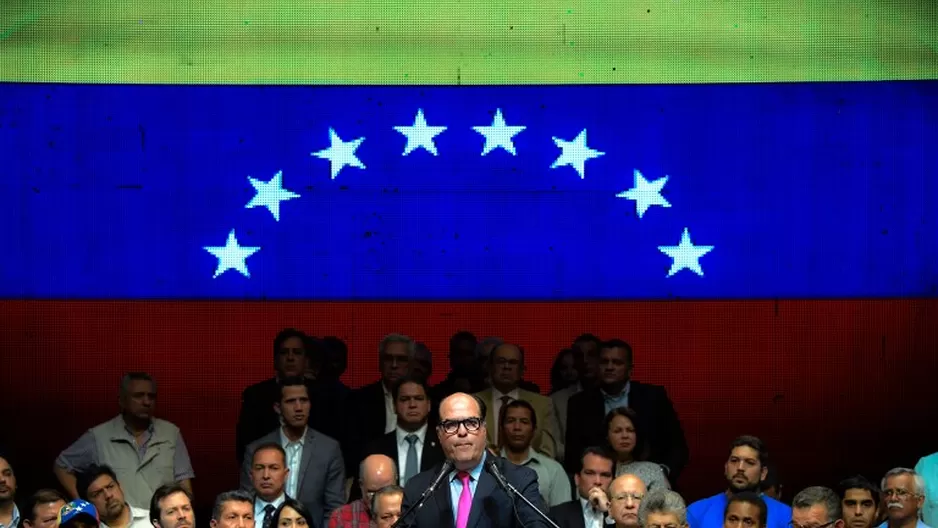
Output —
(465, 501)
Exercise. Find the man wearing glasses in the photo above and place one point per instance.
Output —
(468, 495)
(625, 498)
(904, 497)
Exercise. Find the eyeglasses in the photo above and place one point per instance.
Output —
(451, 426)
(637, 497)
(899, 493)
(793, 524)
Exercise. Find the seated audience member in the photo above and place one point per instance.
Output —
(662, 508)
(626, 495)
(624, 438)
(518, 425)
(171, 507)
(374, 473)
(78, 514)
(816, 506)
(744, 470)
(772, 486)
(297, 462)
(233, 509)
(745, 509)
(506, 367)
(386, 505)
(591, 479)
(859, 501)
(145, 452)
(904, 497)
(9, 513)
(586, 411)
(927, 467)
(291, 514)
(99, 486)
(42, 509)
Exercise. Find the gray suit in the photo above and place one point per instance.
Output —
(321, 482)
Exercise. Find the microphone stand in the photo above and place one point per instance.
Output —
(415, 507)
(512, 490)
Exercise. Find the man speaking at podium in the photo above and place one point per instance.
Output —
(462, 492)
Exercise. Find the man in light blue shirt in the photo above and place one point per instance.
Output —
(904, 498)
(927, 467)
(517, 422)
(9, 513)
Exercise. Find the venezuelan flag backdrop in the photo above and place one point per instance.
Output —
(746, 191)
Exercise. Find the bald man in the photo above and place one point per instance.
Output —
(374, 473)
(625, 495)
(469, 494)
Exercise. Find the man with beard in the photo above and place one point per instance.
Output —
(42, 509)
(859, 500)
(99, 486)
(171, 507)
(904, 495)
(9, 513)
(745, 470)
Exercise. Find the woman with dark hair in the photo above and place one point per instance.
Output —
(624, 439)
(565, 370)
(291, 514)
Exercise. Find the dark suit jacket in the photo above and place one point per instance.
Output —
(430, 456)
(257, 416)
(569, 514)
(492, 507)
(321, 483)
(661, 427)
(368, 423)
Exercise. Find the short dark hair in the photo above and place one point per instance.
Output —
(638, 452)
(587, 338)
(43, 496)
(84, 479)
(410, 378)
(296, 505)
(272, 446)
(749, 497)
(516, 404)
(599, 451)
(858, 482)
(756, 444)
(292, 381)
(288, 333)
(462, 336)
(230, 496)
(161, 493)
(618, 343)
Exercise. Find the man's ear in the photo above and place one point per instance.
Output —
(765, 473)
(213, 523)
(277, 408)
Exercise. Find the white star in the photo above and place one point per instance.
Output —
(686, 255)
(420, 135)
(645, 193)
(340, 153)
(498, 134)
(270, 194)
(575, 153)
(231, 256)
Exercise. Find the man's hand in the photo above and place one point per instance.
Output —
(599, 500)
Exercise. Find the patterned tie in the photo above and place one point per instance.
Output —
(268, 515)
(506, 399)
(465, 501)
(411, 461)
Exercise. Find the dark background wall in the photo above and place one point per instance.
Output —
(834, 387)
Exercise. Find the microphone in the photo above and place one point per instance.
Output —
(493, 470)
(447, 467)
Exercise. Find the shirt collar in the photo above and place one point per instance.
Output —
(497, 394)
(260, 503)
(286, 441)
(126, 428)
(530, 456)
(402, 435)
(623, 394)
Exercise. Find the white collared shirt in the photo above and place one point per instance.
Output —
(139, 518)
(294, 451)
(260, 504)
(403, 445)
(390, 412)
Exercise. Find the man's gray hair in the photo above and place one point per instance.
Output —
(130, 377)
(895, 472)
(387, 490)
(361, 470)
(491, 341)
(397, 338)
(230, 496)
(826, 497)
(662, 501)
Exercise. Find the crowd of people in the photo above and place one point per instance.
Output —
(485, 447)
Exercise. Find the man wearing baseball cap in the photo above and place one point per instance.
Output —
(78, 514)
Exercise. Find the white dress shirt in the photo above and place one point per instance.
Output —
(390, 413)
(403, 445)
(260, 504)
(294, 451)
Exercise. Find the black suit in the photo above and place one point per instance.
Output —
(430, 456)
(568, 514)
(368, 424)
(662, 429)
(492, 507)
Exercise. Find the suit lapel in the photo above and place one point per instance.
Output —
(428, 455)
(484, 489)
(305, 460)
(444, 501)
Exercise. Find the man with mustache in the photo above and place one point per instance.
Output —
(816, 507)
(171, 507)
(745, 469)
(9, 513)
(99, 486)
(859, 499)
(904, 495)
